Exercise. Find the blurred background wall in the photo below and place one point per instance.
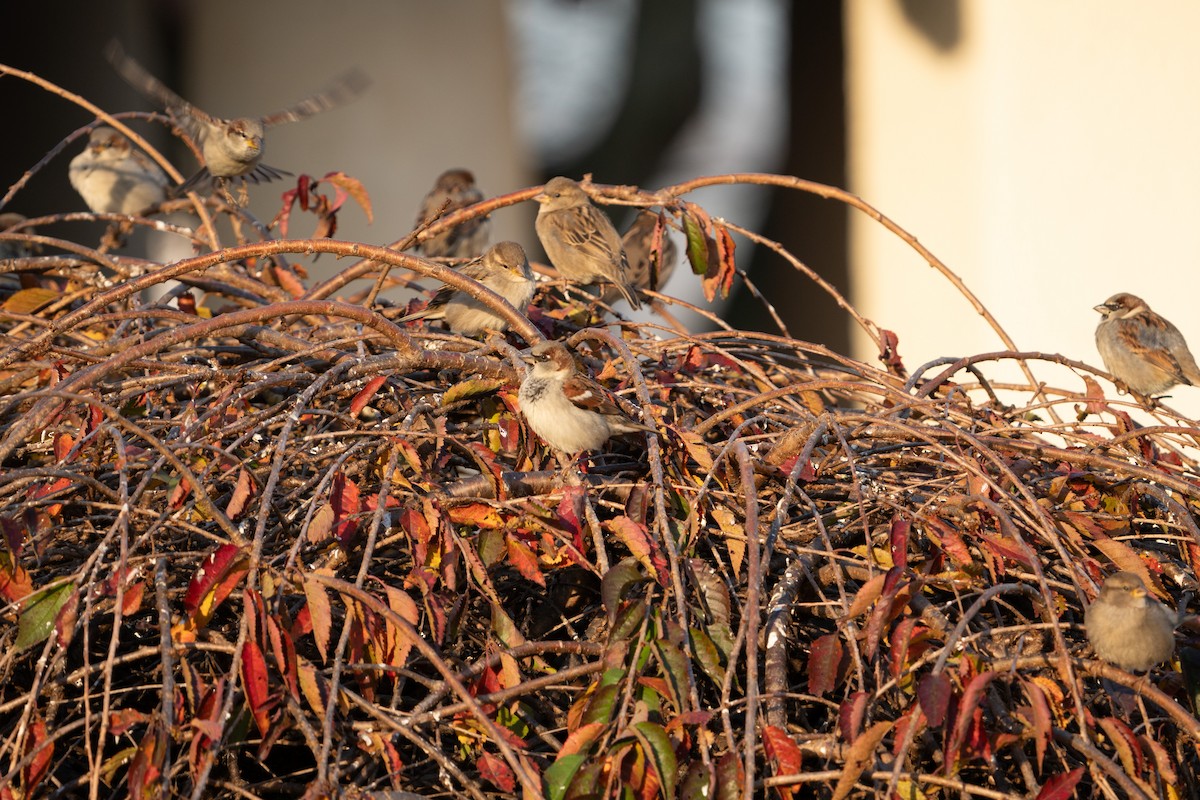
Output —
(1045, 150)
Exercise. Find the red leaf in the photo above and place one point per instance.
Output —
(934, 692)
(898, 537)
(966, 711)
(254, 682)
(889, 352)
(850, 715)
(909, 641)
(780, 748)
(343, 497)
(1061, 787)
(213, 582)
(41, 748)
(365, 394)
(823, 663)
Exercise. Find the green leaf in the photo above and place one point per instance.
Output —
(709, 656)
(37, 617)
(697, 244)
(559, 774)
(471, 388)
(604, 702)
(657, 746)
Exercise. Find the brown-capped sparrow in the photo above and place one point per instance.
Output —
(232, 148)
(454, 189)
(580, 239)
(647, 269)
(1140, 348)
(504, 269)
(114, 177)
(1129, 628)
(570, 412)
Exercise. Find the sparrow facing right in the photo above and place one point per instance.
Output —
(503, 269)
(232, 148)
(114, 177)
(1129, 628)
(454, 189)
(570, 412)
(1141, 349)
(580, 239)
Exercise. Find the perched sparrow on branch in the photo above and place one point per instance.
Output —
(114, 177)
(580, 239)
(232, 148)
(570, 412)
(1141, 349)
(503, 269)
(647, 270)
(1129, 628)
(14, 248)
(454, 189)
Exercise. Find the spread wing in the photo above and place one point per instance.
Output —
(343, 89)
(141, 79)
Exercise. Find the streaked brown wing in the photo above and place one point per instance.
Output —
(1157, 356)
(589, 395)
(344, 88)
(140, 78)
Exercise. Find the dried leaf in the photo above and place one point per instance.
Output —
(860, 755)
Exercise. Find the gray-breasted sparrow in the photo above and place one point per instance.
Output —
(504, 269)
(645, 269)
(570, 412)
(1140, 348)
(580, 239)
(232, 148)
(454, 189)
(1129, 628)
(114, 177)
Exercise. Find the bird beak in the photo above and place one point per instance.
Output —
(541, 198)
(1103, 309)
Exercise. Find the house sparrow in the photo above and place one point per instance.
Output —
(15, 248)
(454, 189)
(1141, 349)
(232, 148)
(580, 239)
(503, 269)
(646, 270)
(570, 412)
(114, 177)
(1129, 628)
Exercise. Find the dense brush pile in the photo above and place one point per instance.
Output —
(259, 542)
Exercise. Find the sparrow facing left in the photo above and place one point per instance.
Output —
(232, 148)
(570, 412)
(580, 239)
(454, 189)
(1140, 348)
(114, 177)
(503, 269)
(1129, 628)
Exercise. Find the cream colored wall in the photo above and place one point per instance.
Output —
(1049, 157)
(441, 98)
